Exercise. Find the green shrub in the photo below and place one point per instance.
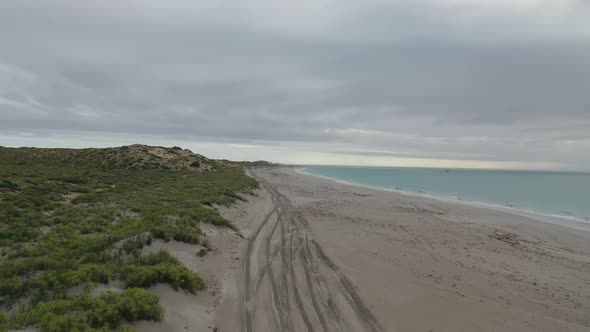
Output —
(49, 246)
(95, 273)
(160, 233)
(111, 309)
(177, 276)
(134, 245)
(80, 312)
(160, 268)
(71, 179)
(3, 322)
(17, 234)
(234, 195)
(187, 237)
(51, 322)
(8, 184)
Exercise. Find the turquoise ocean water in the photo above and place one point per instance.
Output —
(549, 193)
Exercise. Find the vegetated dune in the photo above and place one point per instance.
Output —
(76, 228)
(130, 157)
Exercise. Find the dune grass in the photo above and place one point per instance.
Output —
(62, 227)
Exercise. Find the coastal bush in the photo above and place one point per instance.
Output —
(84, 311)
(7, 184)
(182, 233)
(94, 273)
(3, 322)
(17, 234)
(160, 268)
(70, 179)
(111, 309)
(134, 245)
(178, 276)
(234, 195)
(62, 227)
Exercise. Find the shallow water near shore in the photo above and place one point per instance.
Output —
(560, 194)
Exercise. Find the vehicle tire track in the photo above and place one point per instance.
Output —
(353, 296)
(274, 289)
(307, 259)
(249, 305)
(284, 277)
(296, 294)
(299, 256)
(350, 291)
(321, 283)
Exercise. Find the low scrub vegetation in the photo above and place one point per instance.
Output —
(81, 312)
(64, 226)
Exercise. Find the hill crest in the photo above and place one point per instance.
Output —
(136, 156)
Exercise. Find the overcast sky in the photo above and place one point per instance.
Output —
(444, 83)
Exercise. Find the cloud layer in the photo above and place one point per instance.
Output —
(305, 81)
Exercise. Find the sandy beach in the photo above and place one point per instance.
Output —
(416, 264)
(317, 255)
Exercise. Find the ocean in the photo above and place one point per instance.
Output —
(556, 194)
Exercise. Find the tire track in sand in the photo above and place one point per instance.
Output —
(248, 302)
(298, 256)
(280, 204)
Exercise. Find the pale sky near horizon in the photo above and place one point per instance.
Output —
(428, 83)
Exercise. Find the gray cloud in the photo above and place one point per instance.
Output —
(451, 79)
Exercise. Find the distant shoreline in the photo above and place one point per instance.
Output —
(574, 222)
(508, 170)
